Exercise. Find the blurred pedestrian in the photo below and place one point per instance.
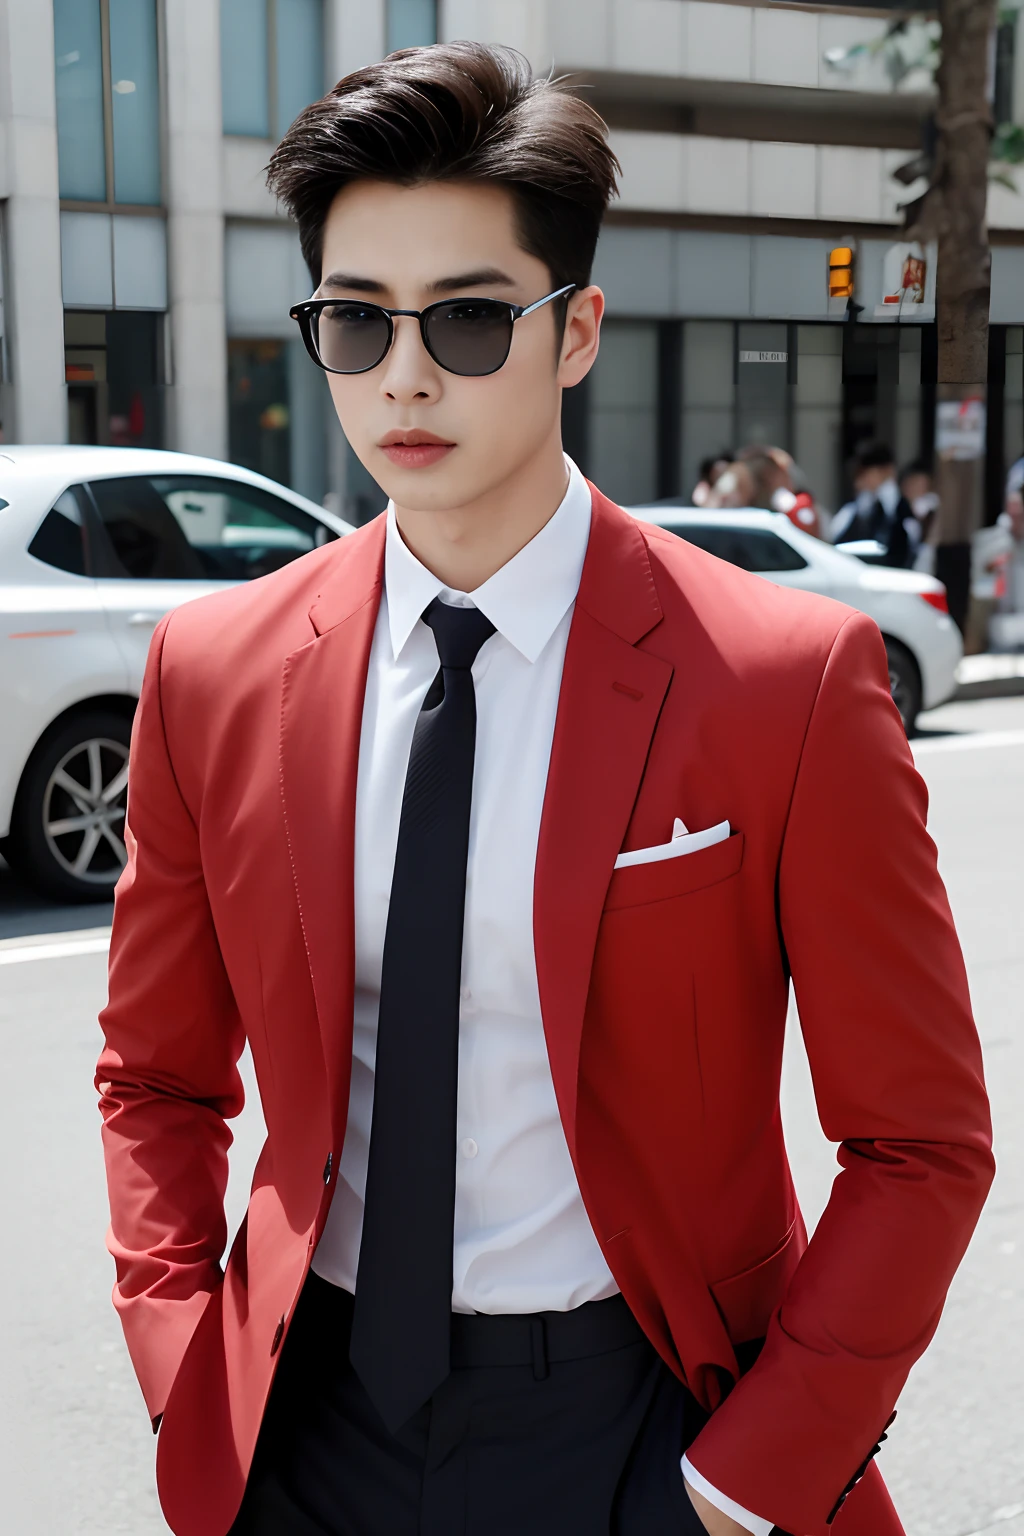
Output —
(917, 487)
(711, 471)
(733, 488)
(879, 510)
(775, 478)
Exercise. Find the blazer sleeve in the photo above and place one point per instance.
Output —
(168, 1076)
(896, 1064)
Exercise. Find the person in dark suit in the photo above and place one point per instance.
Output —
(879, 510)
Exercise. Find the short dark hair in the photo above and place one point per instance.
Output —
(456, 112)
(707, 465)
(872, 455)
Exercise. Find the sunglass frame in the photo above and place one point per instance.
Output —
(309, 310)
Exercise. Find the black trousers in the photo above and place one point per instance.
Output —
(584, 1446)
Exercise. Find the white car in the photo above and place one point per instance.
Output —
(96, 545)
(921, 640)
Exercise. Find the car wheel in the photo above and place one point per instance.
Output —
(67, 832)
(904, 683)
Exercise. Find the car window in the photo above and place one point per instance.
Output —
(200, 528)
(752, 549)
(60, 538)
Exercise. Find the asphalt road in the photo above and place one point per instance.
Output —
(75, 1447)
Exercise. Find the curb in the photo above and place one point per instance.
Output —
(990, 676)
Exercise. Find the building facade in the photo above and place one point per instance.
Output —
(146, 274)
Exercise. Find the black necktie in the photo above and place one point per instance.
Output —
(401, 1325)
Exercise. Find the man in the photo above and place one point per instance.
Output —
(879, 510)
(497, 829)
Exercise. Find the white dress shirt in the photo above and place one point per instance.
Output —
(523, 1240)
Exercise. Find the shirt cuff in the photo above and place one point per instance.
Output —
(749, 1522)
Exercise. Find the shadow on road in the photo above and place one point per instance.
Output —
(23, 911)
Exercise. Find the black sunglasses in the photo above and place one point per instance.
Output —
(471, 337)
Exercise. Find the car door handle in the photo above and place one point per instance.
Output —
(144, 620)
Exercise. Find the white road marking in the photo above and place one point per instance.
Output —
(967, 740)
(48, 946)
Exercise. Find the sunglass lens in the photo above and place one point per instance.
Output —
(351, 337)
(470, 336)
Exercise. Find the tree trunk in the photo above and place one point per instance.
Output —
(964, 123)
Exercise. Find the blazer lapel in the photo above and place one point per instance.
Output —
(608, 707)
(321, 717)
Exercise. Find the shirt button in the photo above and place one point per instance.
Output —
(466, 994)
(468, 1148)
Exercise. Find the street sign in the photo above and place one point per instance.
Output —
(960, 429)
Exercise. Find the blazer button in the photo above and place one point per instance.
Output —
(327, 1167)
(278, 1336)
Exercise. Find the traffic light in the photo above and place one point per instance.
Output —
(840, 273)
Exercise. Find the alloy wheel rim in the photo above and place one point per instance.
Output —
(84, 809)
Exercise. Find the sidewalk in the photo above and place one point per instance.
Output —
(990, 676)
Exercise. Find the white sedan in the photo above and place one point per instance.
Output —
(922, 642)
(96, 545)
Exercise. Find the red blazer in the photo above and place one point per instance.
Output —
(691, 689)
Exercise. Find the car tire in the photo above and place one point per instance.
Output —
(67, 829)
(904, 683)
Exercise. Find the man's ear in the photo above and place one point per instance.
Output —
(581, 336)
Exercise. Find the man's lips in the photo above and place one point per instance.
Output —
(415, 448)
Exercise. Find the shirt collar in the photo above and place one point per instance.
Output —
(889, 495)
(525, 600)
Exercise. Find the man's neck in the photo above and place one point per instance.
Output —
(464, 547)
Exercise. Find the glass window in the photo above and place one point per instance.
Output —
(709, 394)
(272, 63)
(752, 549)
(185, 528)
(245, 67)
(135, 101)
(623, 403)
(60, 538)
(298, 47)
(79, 63)
(259, 419)
(411, 23)
(113, 367)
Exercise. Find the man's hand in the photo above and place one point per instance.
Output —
(712, 1519)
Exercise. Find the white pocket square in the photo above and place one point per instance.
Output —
(682, 842)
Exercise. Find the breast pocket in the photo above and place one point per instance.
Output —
(641, 884)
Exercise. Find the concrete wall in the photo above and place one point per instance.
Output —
(698, 274)
(681, 38)
(34, 400)
(683, 173)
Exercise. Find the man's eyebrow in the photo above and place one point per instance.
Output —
(480, 277)
(353, 281)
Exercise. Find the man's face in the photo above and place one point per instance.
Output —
(873, 478)
(915, 485)
(406, 248)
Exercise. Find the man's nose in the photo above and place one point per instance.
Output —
(410, 373)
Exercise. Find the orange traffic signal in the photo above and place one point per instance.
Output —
(840, 273)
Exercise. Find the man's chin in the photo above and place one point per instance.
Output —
(434, 488)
